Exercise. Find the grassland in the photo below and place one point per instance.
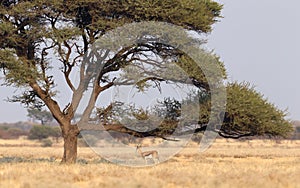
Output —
(227, 163)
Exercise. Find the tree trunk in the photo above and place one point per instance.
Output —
(70, 133)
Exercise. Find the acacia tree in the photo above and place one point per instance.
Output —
(40, 35)
(43, 116)
(248, 113)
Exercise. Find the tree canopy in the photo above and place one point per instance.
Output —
(252, 113)
(43, 116)
(38, 36)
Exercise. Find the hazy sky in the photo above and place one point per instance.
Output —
(259, 41)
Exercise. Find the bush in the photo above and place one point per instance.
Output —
(12, 133)
(40, 132)
(56, 133)
(46, 143)
(4, 127)
(16, 132)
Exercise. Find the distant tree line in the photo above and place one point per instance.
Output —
(38, 132)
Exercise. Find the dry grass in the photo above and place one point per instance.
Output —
(225, 164)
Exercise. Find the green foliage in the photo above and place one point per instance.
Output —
(39, 132)
(169, 109)
(253, 113)
(195, 72)
(17, 66)
(191, 14)
(43, 116)
(56, 132)
(39, 35)
(247, 112)
(60, 25)
(16, 132)
(4, 127)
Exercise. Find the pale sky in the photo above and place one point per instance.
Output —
(259, 42)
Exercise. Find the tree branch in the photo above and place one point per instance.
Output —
(50, 103)
(122, 129)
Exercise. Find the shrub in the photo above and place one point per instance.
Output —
(56, 133)
(40, 132)
(12, 133)
(4, 127)
(16, 132)
(46, 143)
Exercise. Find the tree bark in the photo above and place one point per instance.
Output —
(70, 133)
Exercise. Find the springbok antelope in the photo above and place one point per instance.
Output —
(148, 154)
